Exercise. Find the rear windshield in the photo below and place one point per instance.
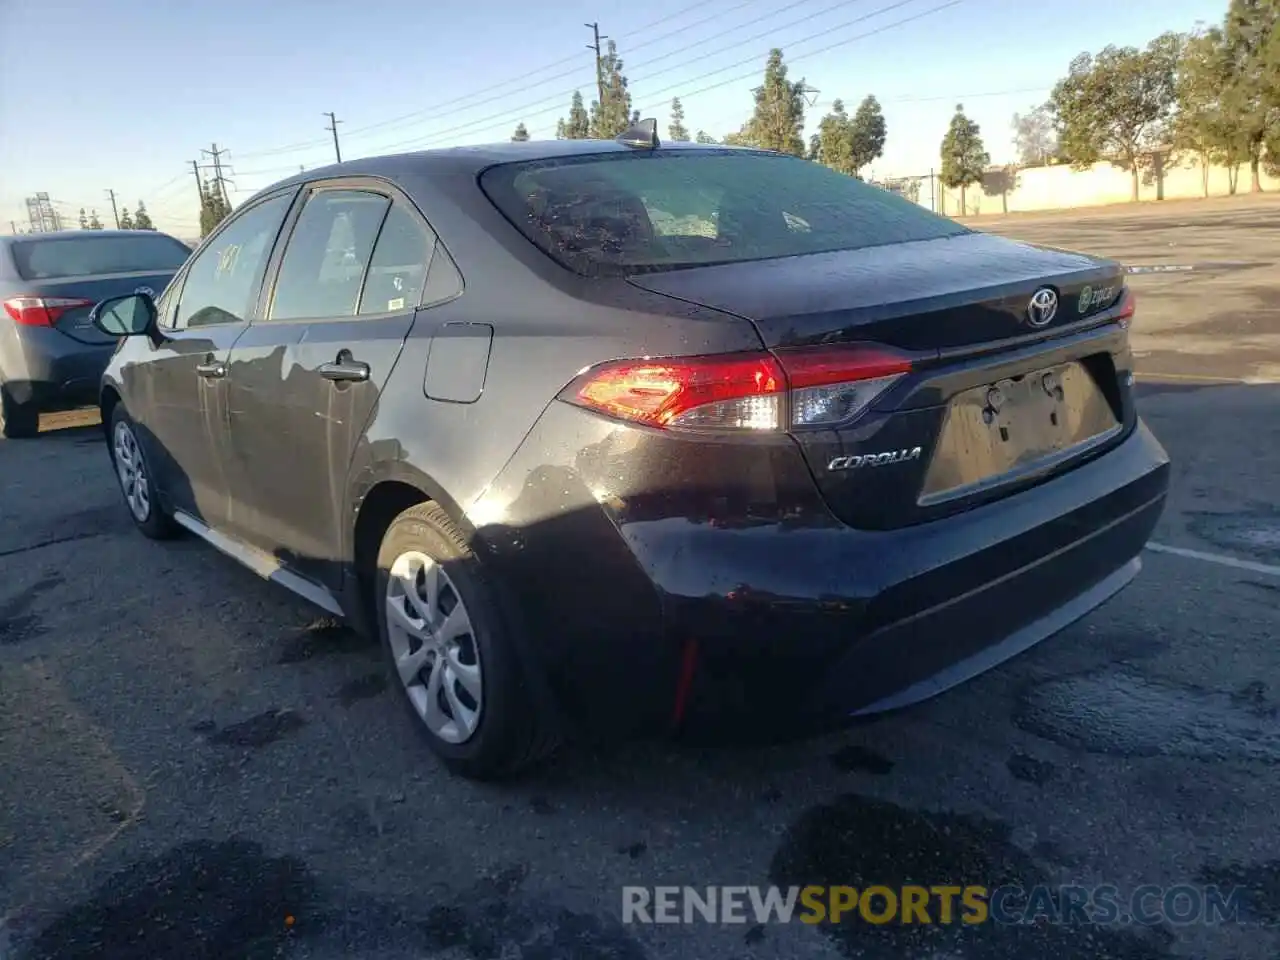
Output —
(618, 214)
(88, 256)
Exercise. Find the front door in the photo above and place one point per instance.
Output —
(202, 314)
(304, 382)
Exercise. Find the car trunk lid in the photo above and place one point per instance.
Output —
(71, 299)
(1000, 393)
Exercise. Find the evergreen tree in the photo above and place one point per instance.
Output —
(704, 137)
(578, 126)
(94, 222)
(964, 158)
(834, 147)
(676, 130)
(126, 221)
(141, 219)
(214, 210)
(779, 114)
(867, 132)
(84, 221)
(610, 118)
(521, 134)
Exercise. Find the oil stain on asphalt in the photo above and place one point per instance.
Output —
(1123, 713)
(17, 623)
(860, 841)
(323, 638)
(1255, 533)
(260, 730)
(1259, 884)
(216, 900)
(362, 688)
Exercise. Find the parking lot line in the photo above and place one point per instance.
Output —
(1219, 558)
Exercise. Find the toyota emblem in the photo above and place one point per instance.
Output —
(1043, 307)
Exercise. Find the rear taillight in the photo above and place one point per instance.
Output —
(1127, 307)
(41, 311)
(799, 387)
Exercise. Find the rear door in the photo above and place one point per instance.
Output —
(177, 394)
(305, 380)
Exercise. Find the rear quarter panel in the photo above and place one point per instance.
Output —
(547, 325)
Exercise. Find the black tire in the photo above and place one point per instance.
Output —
(157, 525)
(509, 736)
(18, 421)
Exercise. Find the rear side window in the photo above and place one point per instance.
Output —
(398, 269)
(328, 252)
(93, 255)
(617, 214)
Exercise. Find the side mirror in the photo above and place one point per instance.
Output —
(126, 316)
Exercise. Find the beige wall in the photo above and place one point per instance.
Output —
(1051, 188)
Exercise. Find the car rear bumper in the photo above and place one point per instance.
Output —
(47, 366)
(773, 617)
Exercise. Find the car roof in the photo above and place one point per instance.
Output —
(474, 159)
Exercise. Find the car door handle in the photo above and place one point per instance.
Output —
(212, 370)
(345, 370)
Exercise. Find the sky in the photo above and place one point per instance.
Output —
(122, 95)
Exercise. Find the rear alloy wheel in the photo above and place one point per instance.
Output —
(446, 644)
(17, 420)
(135, 479)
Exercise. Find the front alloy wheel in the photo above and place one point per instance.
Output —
(132, 470)
(136, 482)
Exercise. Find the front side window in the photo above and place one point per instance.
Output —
(621, 213)
(328, 251)
(398, 269)
(222, 281)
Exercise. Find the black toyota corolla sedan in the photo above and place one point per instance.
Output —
(625, 437)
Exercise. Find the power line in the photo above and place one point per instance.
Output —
(496, 120)
(469, 104)
(523, 80)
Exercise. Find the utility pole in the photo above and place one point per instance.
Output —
(114, 211)
(333, 128)
(13, 228)
(595, 33)
(218, 178)
(195, 168)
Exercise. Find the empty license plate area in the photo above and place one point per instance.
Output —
(1005, 430)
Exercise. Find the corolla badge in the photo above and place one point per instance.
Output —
(147, 290)
(853, 462)
(1043, 307)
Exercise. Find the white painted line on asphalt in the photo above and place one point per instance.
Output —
(1219, 558)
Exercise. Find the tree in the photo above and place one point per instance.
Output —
(1252, 94)
(578, 126)
(964, 158)
(833, 144)
(214, 209)
(676, 129)
(141, 219)
(867, 132)
(521, 134)
(612, 116)
(94, 222)
(704, 137)
(126, 221)
(1117, 106)
(778, 119)
(1201, 124)
(1034, 137)
(84, 221)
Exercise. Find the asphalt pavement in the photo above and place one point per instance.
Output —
(195, 764)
